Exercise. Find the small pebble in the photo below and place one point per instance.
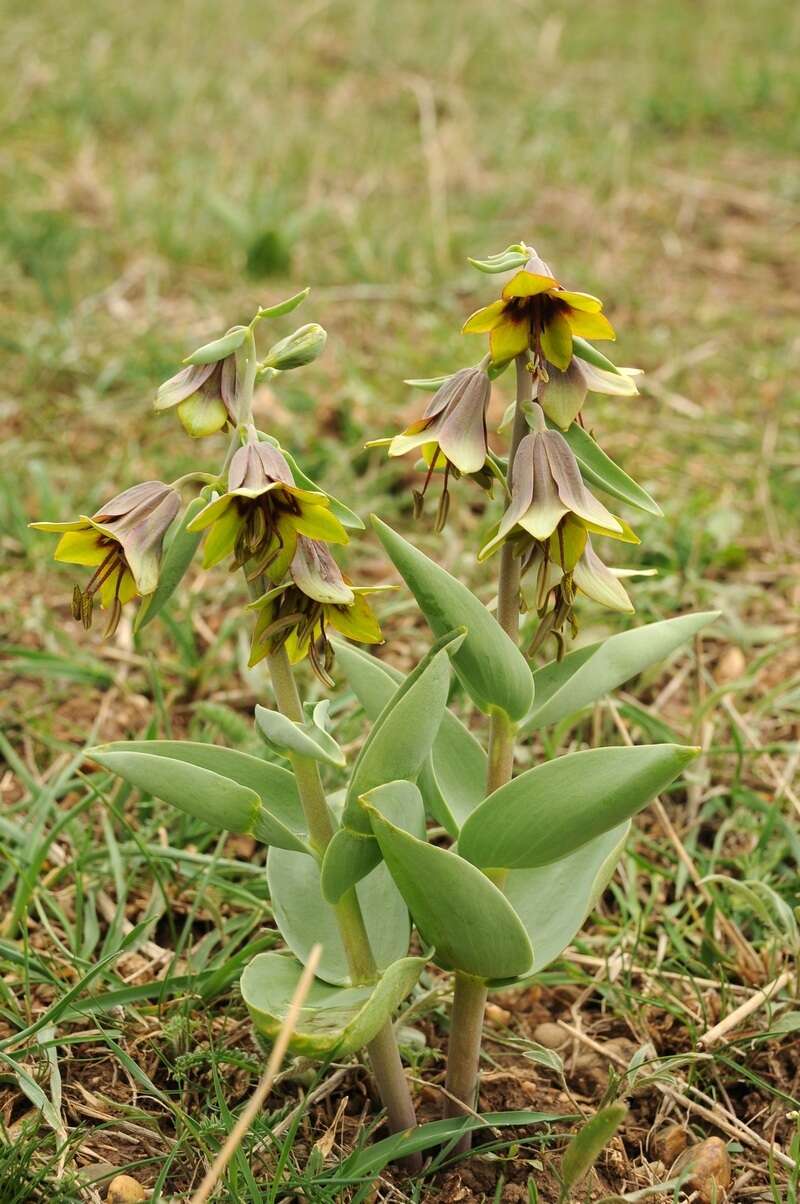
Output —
(668, 1143)
(709, 1165)
(124, 1190)
(551, 1036)
(497, 1016)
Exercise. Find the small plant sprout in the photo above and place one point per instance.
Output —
(523, 858)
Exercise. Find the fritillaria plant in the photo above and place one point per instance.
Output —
(349, 863)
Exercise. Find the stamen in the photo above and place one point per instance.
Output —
(87, 605)
(77, 601)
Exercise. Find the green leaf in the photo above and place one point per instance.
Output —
(586, 351)
(455, 907)
(430, 384)
(344, 514)
(492, 669)
(554, 808)
(177, 558)
(210, 353)
(350, 855)
(554, 900)
(334, 1021)
(305, 918)
(403, 734)
(600, 470)
(515, 256)
(306, 739)
(589, 1142)
(583, 676)
(276, 817)
(284, 307)
(369, 1161)
(453, 780)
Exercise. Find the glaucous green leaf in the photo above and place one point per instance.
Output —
(350, 855)
(306, 739)
(589, 1142)
(599, 469)
(453, 780)
(557, 806)
(583, 676)
(554, 900)
(587, 351)
(490, 665)
(305, 918)
(284, 307)
(515, 256)
(218, 349)
(455, 907)
(178, 556)
(279, 820)
(334, 1021)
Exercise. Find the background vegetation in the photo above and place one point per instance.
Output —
(165, 168)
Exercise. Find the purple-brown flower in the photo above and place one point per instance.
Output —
(123, 540)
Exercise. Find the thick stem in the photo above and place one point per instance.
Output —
(383, 1052)
(469, 995)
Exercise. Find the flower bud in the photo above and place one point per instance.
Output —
(297, 349)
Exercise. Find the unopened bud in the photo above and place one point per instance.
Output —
(297, 349)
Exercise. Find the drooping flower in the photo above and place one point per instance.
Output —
(553, 571)
(546, 486)
(205, 395)
(262, 513)
(296, 614)
(123, 540)
(536, 312)
(562, 394)
(451, 431)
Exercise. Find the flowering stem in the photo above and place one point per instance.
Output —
(469, 994)
(383, 1052)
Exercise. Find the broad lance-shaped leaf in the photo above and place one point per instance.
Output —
(490, 665)
(218, 349)
(453, 779)
(307, 739)
(599, 469)
(334, 1021)
(178, 555)
(583, 676)
(455, 907)
(396, 748)
(229, 790)
(304, 918)
(553, 901)
(550, 810)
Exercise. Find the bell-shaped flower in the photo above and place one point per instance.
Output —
(546, 486)
(536, 312)
(297, 614)
(262, 513)
(562, 394)
(204, 393)
(123, 540)
(453, 424)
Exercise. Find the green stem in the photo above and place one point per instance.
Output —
(383, 1052)
(469, 994)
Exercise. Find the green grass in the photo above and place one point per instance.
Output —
(165, 170)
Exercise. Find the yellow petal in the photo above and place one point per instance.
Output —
(357, 621)
(296, 649)
(221, 538)
(510, 338)
(484, 320)
(590, 326)
(80, 547)
(583, 301)
(317, 522)
(528, 284)
(201, 415)
(557, 341)
(627, 535)
(127, 589)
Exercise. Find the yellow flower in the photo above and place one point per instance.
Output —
(296, 615)
(124, 541)
(262, 513)
(535, 311)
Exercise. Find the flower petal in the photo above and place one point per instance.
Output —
(317, 574)
(510, 338)
(79, 524)
(462, 433)
(546, 509)
(557, 341)
(563, 393)
(210, 513)
(569, 483)
(222, 536)
(596, 580)
(126, 591)
(582, 301)
(80, 547)
(409, 439)
(317, 522)
(589, 325)
(485, 319)
(357, 621)
(528, 284)
(201, 415)
(182, 385)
